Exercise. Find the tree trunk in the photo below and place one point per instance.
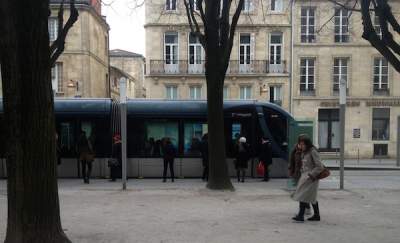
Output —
(218, 170)
(33, 204)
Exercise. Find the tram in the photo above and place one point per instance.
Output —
(149, 121)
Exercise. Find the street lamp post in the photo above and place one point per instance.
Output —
(398, 142)
(122, 99)
(342, 102)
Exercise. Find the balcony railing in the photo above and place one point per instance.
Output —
(180, 67)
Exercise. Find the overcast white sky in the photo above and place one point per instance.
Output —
(126, 26)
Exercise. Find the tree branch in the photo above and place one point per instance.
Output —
(194, 26)
(58, 45)
(371, 36)
(234, 22)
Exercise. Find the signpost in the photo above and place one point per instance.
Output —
(342, 102)
(122, 100)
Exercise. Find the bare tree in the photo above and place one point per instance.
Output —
(27, 58)
(386, 44)
(216, 34)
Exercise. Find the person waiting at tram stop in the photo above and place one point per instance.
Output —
(265, 156)
(169, 154)
(307, 186)
(116, 168)
(242, 152)
(204, 156)
(86, 156)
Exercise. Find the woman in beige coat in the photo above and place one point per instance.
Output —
(307, 187)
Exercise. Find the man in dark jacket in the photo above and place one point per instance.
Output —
(204, 155)
(265, 156)
(169, 153)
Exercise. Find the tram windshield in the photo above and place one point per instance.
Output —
(277, 125)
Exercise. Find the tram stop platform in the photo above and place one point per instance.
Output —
(368, 211)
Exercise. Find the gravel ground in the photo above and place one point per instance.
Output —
(184, 211)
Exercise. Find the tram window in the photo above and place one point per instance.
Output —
(97, 132)
(236, 131)
(156, 132)
(193, 133)
(67, 139)
(87, 128)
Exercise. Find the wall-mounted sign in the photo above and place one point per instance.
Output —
(336, 103)
(386, 102)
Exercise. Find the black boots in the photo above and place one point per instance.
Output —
(316, 216)
(300, 216)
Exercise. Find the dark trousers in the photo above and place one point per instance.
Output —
(170, 163)
(205, 173)
(115, 172)
(86, 173)
(243, 174)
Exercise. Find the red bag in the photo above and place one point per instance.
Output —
(260, 168)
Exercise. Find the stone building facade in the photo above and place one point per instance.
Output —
(259, 60)
(133, 65)
(327, 50)
(326, 45)
(83, 68)
(115, 75)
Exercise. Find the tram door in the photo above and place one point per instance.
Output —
(240, 125)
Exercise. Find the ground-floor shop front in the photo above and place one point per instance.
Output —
(371, 126)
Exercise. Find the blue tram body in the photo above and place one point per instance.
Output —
(148, 121)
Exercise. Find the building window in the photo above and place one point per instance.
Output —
(275, 94)
(226, 92)
(276, 5)
(377, 26)
(380, 150)
(56, 77)
(194, 3)
(341, 25)
(170, 5)
(245, 92)
(247, 6)
(275, 53)
(380, 123)
(195, 92)
(196, 55)
(307, 25)
(381, 73)
(171, 52)
(339, 72)
(244, 49)
(53, 28)
(172, 92)
(307, 76)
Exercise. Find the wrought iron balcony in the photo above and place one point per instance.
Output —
(184, 67)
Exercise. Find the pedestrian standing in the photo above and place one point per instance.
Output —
(242, 156)
(204, 156)
(265, 156)
(86, 156)
(307, 187)
(295, 165)
(116, 168)
(169, 154)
